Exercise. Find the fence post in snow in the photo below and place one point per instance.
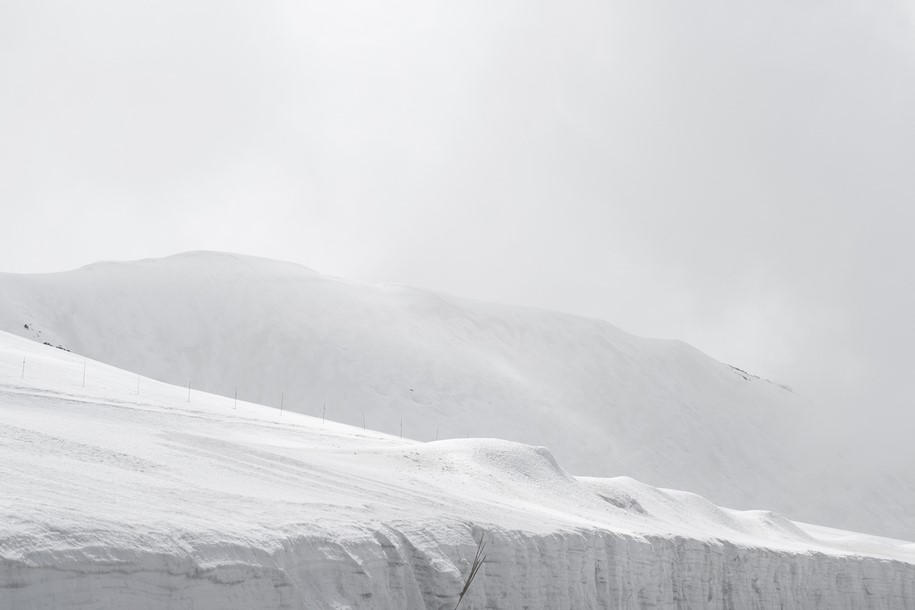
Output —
(23, 367)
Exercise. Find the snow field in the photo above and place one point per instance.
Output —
(112, 499)
(605, 402)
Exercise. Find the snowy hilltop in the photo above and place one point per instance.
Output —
(124, 492)
(429, 366)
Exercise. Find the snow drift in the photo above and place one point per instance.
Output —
(396, 359)
(122, 492)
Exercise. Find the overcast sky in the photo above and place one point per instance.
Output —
(735, 173)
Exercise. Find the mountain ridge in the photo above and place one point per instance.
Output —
(427, 365)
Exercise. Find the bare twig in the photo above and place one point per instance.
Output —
(475, 566)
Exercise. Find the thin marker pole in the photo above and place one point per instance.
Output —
(363, 421)
(235, 406)
(401, 426)
(323, 411)
(282, 400)
(84, 373)
(23, 368)
(189, 391)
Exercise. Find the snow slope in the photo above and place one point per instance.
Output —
(606, 403)
(122, 492)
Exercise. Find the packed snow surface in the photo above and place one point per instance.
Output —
(605, 402)
(123, 492)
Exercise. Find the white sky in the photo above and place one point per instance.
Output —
(735, 173)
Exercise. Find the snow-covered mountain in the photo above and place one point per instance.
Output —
(392, 358)
(123, 492)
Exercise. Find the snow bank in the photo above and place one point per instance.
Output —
(114, 498)
(398, 570)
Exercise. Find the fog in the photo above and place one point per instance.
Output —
(735, 174)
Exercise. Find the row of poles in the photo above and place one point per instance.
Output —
(235, 399)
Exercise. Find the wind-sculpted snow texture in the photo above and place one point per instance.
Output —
(123, 492)
(606, 403)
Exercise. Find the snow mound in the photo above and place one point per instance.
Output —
(678, 507)
(505, 460)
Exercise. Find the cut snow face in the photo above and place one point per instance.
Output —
(120, 491)
(427, 366)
